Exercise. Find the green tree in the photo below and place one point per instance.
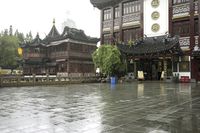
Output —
(5, 32)
(8, 51)
(19, 36)
(109, 60)
(10, 31)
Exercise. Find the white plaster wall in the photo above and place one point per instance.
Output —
(163, 21)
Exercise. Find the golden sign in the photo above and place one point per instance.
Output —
(155, 3)
(155, 15)
(20, 51)
(155, 27)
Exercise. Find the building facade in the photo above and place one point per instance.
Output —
(66, 54)
(148, 22)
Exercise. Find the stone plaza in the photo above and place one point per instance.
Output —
(138, 107)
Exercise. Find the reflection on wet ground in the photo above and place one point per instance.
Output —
(95, 108)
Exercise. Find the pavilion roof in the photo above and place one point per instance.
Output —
(55, 38)
(152, 46)
(78, 35)
(35, 42)
(53, 34)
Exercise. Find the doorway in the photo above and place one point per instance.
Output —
(152, 68)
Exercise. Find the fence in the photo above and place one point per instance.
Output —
(17, 81)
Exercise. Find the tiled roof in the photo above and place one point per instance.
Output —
(104, 3)
(68, 33)
(152, 45)
(78, 35)
(35, 42)
(53, 35)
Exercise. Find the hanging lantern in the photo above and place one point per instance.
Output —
(20, 51)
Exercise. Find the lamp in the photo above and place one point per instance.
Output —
(20, 51)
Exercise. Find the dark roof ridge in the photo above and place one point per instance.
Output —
(35, 42)
(77, 34)
(53, 34)
(150, 45)
(104, 3)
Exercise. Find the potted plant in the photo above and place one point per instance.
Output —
(108, 59)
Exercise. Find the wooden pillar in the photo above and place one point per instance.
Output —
(48, 78)
(142, 18)
(68, 58)
(34, 79)
(18, 81)
(192, 39)
(68, 66)
(112, 24)
(101, 28)
(170, 17)
(165, 67)
(199, 20)
(192, 33)
(135, 69)
(120, 22)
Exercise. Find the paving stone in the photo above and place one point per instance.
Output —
(147, 107)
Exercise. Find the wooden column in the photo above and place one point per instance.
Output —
(192, 39)
(68, 58)
(135, 69)
(120, 22)
(142, 17)
(199, 20)
(112, 24)
(101, 27)
(192, 34)
(170, 17)
(34, 79)
(165, 68)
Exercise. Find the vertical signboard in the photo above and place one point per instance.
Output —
(156, 17)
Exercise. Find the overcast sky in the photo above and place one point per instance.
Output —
(38, 15)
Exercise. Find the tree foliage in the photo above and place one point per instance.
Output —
(108, 59)
(8, 51)
(9, 44)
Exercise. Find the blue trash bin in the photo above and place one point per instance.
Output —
(113, 80)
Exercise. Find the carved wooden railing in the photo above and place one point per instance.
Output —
(107, 24)
(33, 55)
(80, 55)
(58, 54)
(135, 17)
(184, 42)
(181, 10)
(116, 22)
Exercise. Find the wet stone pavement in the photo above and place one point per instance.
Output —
(96, 108)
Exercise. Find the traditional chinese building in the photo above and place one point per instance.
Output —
(63, 54)
(163, 35)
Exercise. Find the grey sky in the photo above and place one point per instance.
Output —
(37, 15)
